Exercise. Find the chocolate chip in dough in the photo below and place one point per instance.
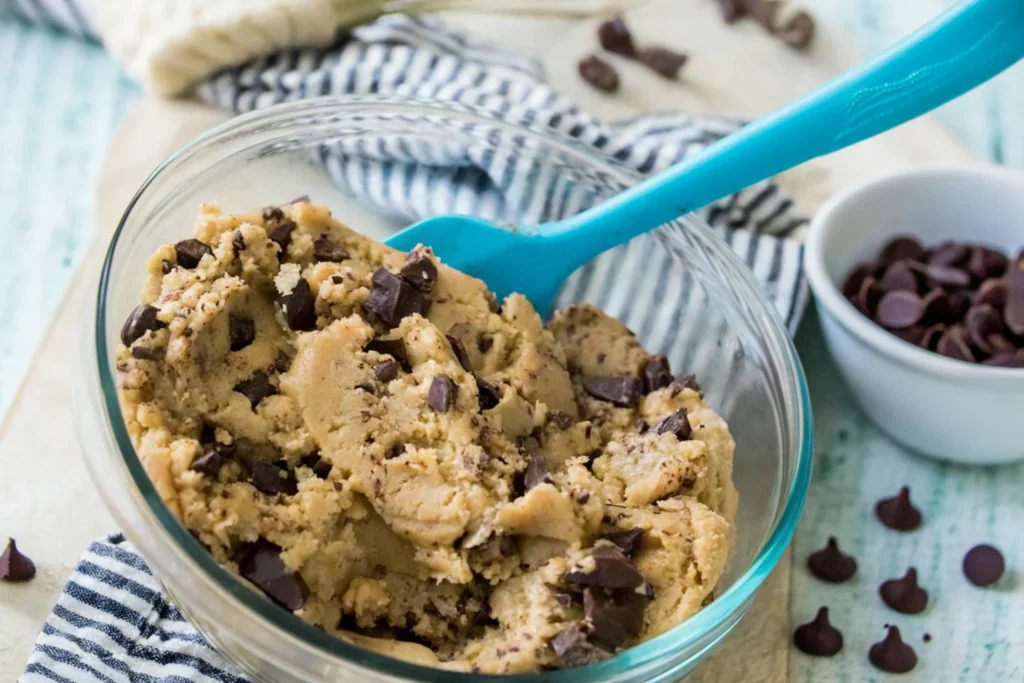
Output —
(622, 391)
(536, 473)
(677, 423)
(141, 320)
(325, 249)
(190, 252)
(484, 344)
(271, 479)
(902, 247)
(279, 227)
(262, 565)
(238, 242)
(614, 36)
(147, 353)
(798, 31)
(321, 468)
(614, 618)
(657, 373)
(831, 564)
(899, 309)
(903, 594)
(599, 73)
(442, 393)
(560, 420)
(898, 512)
(574, 649)
(14, 565)
(299, 307)
(627, 541)
(489, 395)
(256, 388)
(419, 269)
(368, 387)
(242, 331)
(394, 347)
(459, 349)
(892, 655)
(386, 370)
(166, 266)
(283, 362)
(818, 638)
(611, 569)
(664, 61)
(984, 565)
(392, 298)
(209, 463)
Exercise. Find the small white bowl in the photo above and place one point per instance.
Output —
(945, 408)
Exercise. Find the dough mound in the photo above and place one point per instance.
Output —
(371, 441)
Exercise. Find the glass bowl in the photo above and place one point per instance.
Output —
(709, 317)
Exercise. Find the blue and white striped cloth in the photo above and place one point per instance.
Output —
(113, 623)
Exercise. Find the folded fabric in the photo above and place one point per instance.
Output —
(113, 623)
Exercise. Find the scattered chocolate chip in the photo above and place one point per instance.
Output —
(14, 565)
(627, 541)
(536, 472)
(892, 655)
(141, 320)
(209, 463)
(830, 564)
(677, 423)
(798, 31)
(394, 347)
(664, 61)
(868, 296)
(622, 391)
(386, 370)
(392, 298)
(613, 618)
(262, 565)
(190, 252)
(279, 227)
(256, 388)
(283, 362)
(902, 247)
(484, 344)
(898, 512)
(953, 344)
(560, 420)
(614, 36)
(657, 374)
(460, 352)
(731, 10)
(299, 307)
(904, 595)
(489, 395)
(927, 637)
(599, 73)
(442, 393)
(950, 254)
(818, 638)
(984, 565)
(763, 11)
(899, 309)
(900, 277)
(325, 249)
(419, 269)
(573, 648)
(271, 479)
(242, 331)
(611, 569)
(147, 352)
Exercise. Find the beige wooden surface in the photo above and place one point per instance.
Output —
(46, 499)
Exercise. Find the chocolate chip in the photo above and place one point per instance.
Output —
(899, 309)
(937, 307)
(900, 277)
(279, 227)
(1013, 314)
(851, 285)
(984, 565)
(190, 252)
(209, 463)
(892, 655)
(763, 11)
(484, 344)
(904, 595)
(611, 569)
(489, 395)
(271, 479)
(321, 468)
(147, 353)
(256, 388)
(599, 73)
(14, 565)
(992, 292)
(818, 638)
(686, 382)
(325, 249)
(614, 36)
(927, 637)
(984, 327)
(731, 10)
(262, 565)
(283, 362)
(238, 242)
(663, 60)
(953, 344)
(798, 31)
(299, 307)
(573, 649)
(950, 254)
(386, 370)
(166, 266)
(947, 276)
(830, 564)
(930, 339)
(536, 472)
(913, 335)
(394, 347)
(898, 512)
(442, 393)
(419, 269)
(676, 423)
(242, 331)
(657, 374)
(368, 388)
(985, 263)
(627, 541)
(460, 352)
(141, 320)
(392, 298)
(613, 618)
(622, 391)
(1003, 359)
(868, 296)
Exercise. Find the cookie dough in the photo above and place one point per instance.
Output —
(372, 441)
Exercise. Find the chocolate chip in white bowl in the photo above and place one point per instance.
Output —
(899, 309)
(902, 247)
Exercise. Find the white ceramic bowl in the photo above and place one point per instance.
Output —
(938, 406)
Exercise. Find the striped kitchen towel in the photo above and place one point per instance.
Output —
(113, 622)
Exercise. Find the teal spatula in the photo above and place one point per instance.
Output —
(963, 48)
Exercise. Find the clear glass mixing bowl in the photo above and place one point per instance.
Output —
(709, 317)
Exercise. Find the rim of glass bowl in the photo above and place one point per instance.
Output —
(673, 641)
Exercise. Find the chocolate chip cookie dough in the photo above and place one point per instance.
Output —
(372, 441)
